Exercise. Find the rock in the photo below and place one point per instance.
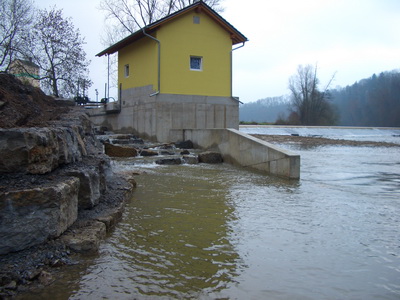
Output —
(167, 147)
(169, 161)
(45, 278)
(119, 151)
(31, 216)
(11, 286)
(166, 152)
(190, 159)
(147, 152)
(40, 150)
(112, 218)
(185, 152)
(210, 157)
(86, 238)
(126, 140)
(89, 186)
(188, 144)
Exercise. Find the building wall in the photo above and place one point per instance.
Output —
(143, 64)
(181, 38)
(152, 117)
(244, 150)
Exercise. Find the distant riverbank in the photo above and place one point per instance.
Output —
(375, 135)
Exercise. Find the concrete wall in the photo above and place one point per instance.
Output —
(244, 150)
(152, 117)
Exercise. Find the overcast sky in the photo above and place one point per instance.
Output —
(352, 38)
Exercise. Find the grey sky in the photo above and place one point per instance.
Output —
(354, 38)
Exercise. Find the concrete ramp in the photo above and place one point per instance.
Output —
(243, 150)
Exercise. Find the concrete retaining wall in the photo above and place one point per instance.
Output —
(152, 117)
(244, 150)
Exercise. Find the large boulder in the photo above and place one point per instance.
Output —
(40, 150)
(31, 216)
(89, 186)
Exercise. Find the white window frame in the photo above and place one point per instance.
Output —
(126, 70)
(201, 63)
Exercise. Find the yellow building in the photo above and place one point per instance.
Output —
(185, 62)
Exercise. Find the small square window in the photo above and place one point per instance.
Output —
(196, 63)
(126, 70)
(196, 20)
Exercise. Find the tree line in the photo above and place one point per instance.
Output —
(373, 101)
(47, 39)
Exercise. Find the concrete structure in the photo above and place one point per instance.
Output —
(152, 117)
(26, 71)
(244, 150)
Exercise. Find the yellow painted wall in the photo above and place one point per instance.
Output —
(181, 38)
(142, 59)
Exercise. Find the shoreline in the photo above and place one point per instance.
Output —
(322, 127)
(319, 141)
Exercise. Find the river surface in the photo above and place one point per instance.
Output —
(222, 232)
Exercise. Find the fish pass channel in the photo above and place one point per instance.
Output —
(217, 231)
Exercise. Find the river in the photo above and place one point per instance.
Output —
(222, 232)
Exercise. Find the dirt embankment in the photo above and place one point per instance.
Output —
(25, 106)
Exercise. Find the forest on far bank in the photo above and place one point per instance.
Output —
(373, 101)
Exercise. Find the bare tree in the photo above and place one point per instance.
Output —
(310, 104)
(15, 20)
(127, 16)
(57, 48)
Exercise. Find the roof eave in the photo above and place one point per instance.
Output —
(236, 36)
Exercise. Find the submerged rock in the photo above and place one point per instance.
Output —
(190, 159)
(210, 157)
(188, 144)
(147, 152)
(169, 161)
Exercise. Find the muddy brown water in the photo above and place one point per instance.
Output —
(221, 232)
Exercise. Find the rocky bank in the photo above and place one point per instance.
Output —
(58, 192)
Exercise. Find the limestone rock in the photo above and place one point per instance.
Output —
(119, 151)
(31, 216)
(89, 186)
(112, 218)
(210, 157)
(40, 150)
(86, 238)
